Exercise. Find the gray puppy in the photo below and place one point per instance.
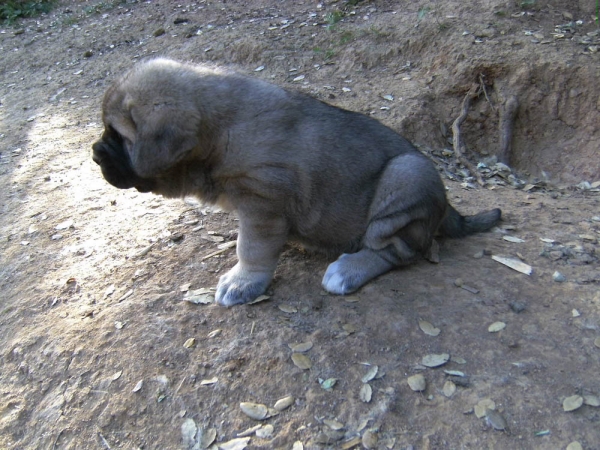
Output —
(293, 167)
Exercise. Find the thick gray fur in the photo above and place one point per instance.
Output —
(291, 166)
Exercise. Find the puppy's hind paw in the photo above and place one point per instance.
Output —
(353, 270)
(238, 286)
(338, 279)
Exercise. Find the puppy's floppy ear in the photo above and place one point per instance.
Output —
(164, 136)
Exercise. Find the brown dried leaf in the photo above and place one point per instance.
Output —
(434, 360)
(428, 328)
(572, 403)
(255, 411)
(366, 392)
(301, 361)
(301, 347)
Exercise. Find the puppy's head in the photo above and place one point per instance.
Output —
(150, 125)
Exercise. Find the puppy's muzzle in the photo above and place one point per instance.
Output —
(116, 167)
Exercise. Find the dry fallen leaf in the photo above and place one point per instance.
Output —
(434, 360)
(250, 431)
(333, 424)
(260, 298)
(428, 328)
(117, 375)
(265, 432)
(188, 432)
(514, 264)
(371, 374)
(208, 437)
(214, 333)
(449, 388)
(349, 328)
(301, 361)
(496, 326)
(288, 309)
(301, 347)
(591, 400)
(495, 419)
(572, 403)
(417, 382)
(255, 411)
(369, 440)
(513, 239)
(483, 406)
(284, 403)
(347, 445)
(366, 392)
(235, 444)
(202, 296)
(454, 373)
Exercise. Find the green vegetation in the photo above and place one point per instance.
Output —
(101, 7)
(11, 10)
(333, 18)
(423, 12)
(526, 4)
(346, 36)
(326, 54)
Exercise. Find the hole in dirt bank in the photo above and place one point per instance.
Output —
(555, 129)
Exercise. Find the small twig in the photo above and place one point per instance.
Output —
(474, 92)
(179, 387)
(57, 438)
(482, 82)
(226, 247)
(104, 442)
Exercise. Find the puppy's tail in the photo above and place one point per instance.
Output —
(457, 226)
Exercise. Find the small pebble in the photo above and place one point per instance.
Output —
(517, 306)
(558, 277)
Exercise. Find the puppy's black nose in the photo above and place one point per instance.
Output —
(98, 152)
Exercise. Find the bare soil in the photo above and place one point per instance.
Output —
(92, 279)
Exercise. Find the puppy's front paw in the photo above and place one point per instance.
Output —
(239, 286)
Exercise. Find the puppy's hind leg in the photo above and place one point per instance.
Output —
(407, 208)
(352, 270)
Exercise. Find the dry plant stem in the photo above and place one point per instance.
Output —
(473, 93)
(482, 82)
(104, 442)
(506, 125)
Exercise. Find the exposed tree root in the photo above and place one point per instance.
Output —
(508, 112)
(473, 93)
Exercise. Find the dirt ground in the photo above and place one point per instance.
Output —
(95, 343)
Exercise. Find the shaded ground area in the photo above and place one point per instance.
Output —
(96, 332)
